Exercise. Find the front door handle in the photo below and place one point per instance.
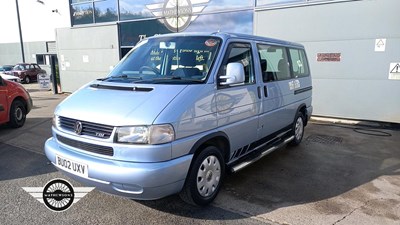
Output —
(259, 92)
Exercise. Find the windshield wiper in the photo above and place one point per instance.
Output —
(123, 76)
(120, 76)
(176, 78)
(169, 78)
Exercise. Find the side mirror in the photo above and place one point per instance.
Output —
(234, 74)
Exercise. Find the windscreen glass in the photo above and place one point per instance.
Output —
(179, 60)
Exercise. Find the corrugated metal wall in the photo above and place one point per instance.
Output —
(357, 86)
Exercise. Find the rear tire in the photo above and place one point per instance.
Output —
(298, 129)
(204, 178)
(17, 114)
(27, 79)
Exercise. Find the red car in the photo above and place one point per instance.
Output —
(27, 72)
(15, 103)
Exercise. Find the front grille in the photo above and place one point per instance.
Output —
(90, 129)
(102, 150)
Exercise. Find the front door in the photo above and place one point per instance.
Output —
(238, 105)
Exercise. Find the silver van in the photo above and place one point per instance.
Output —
(181, 110)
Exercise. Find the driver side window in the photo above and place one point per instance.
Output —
(240, 53)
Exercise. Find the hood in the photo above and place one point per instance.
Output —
(118, 104)
(8, 77)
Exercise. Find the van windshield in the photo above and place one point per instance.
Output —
(168, 60)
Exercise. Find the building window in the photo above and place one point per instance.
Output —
(91, 11)
(276, 2)
(43, 59)
(40, 59)
(82, 13)
(105, 11)
(286, 2)
(135, 9)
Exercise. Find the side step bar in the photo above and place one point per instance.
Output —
(262, 154)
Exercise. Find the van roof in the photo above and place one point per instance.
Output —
(228, 35)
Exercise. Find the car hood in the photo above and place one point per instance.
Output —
(8, 77)
(118, 104)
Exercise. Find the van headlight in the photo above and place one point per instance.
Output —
(55, 121)
(154, 134)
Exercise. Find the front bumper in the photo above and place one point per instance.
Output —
(143, 181)
(29, 104)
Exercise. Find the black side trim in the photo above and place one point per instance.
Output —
(100, 86)
(298, 91)
(1, 108)
(267, 141)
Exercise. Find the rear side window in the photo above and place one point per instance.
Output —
(274, 63)
(299, 63)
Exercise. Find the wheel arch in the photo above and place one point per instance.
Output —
(21, 99)
(303, 109)
(218, 139)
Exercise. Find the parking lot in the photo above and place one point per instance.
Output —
(340, 174)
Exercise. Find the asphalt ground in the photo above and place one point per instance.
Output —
(338, 175)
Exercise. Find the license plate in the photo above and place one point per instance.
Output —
(71, 166)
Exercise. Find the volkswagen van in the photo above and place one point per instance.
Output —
(181, 110)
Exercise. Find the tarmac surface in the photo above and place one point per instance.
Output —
(338, 175)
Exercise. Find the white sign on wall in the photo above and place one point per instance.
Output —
(394, 71)
(63, 67)
(380, 44)
(85, 58)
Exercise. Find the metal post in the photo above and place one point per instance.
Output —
(53, 73)
(20, 33)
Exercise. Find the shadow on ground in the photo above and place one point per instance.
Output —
(19, 163)
(21, 149)
(330, 161)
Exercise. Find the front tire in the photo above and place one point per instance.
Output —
(17, 114)
(298, 129)
(205, 177)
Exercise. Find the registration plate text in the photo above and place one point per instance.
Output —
(71, 166)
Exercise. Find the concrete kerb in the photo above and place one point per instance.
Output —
(353, 122)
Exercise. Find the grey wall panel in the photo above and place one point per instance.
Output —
(358, 59)
(86, 53)
(357, 87)
(376, 100)
(72, 81)
(10, 53)
(33, 48)
(334, 21)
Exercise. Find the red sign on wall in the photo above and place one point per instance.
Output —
(328, 57)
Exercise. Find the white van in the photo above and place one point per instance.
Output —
(180, 110)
